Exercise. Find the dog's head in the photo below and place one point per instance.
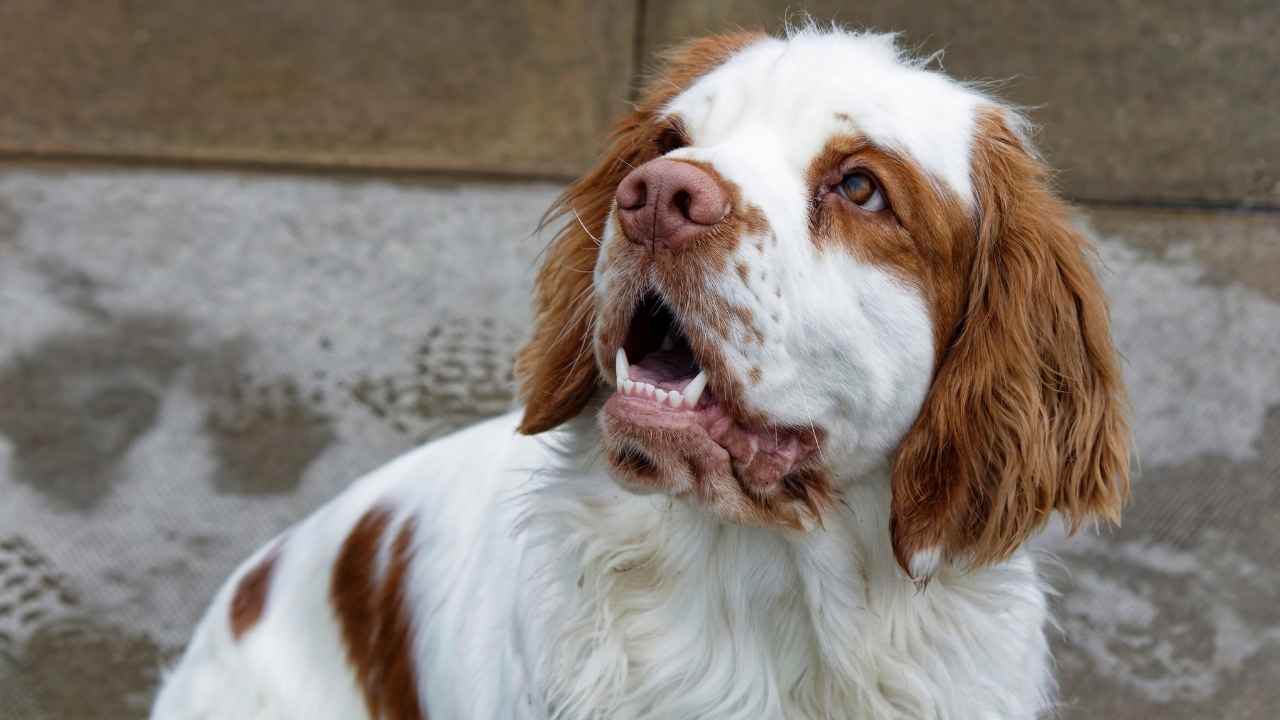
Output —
(802, 257)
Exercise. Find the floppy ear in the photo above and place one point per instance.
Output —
(556, 369)
(1026, 413)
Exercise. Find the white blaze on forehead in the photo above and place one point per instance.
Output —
(817, 84)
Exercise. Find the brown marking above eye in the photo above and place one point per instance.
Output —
(672, 137)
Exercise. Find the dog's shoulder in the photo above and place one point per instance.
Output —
(341, 615)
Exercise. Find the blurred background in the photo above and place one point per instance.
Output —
(250, 250)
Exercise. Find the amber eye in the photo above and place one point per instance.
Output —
(671, 138)
(861, 189)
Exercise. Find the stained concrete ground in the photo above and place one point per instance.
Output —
(190, 362)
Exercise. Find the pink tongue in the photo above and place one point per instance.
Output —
(666, 369)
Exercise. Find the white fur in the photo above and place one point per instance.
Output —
(540, 589)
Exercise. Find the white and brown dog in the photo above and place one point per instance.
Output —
(815, 353)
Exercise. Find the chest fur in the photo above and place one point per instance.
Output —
(669, 614)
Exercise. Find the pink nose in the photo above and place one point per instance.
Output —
(667, 203)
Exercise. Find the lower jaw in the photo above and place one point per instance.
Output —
(701, 454)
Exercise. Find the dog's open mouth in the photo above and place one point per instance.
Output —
(672, 424)
(656, 363)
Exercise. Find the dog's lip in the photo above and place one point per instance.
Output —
(759, 456)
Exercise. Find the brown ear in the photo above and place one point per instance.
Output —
(556, 370)
(1026, 413)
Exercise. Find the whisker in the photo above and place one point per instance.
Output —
(583, 225)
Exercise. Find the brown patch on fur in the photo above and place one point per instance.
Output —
(375, 618)
(1025, 415)
(556, 369)
(755, 223)
(755, 375)
(922, 237)
(747, 320)
(744, 272)
(252, 592)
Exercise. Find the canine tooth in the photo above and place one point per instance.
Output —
(621, 367)
(693, 391)
(661, 395)
(674, 398)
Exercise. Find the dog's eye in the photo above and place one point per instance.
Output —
(861, 189)
(670, 139)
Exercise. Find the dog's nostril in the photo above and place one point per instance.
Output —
(682, 201)
(633, 195)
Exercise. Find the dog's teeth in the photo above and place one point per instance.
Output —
(674, 398)
(627, 386)
(661, 395)
(621, 367)
(647, 388)
(693, 391)
(667, 342)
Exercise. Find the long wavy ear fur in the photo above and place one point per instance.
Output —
(556, 369)
(1026, 413)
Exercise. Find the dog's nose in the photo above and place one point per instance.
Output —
(666, 203)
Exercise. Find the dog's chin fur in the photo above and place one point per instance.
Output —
(649, 605)
(661, 461)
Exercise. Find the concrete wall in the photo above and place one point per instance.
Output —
(1155, 102)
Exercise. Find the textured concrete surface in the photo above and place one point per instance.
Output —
(191, 362)
(519, 87)
(1171, 101)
